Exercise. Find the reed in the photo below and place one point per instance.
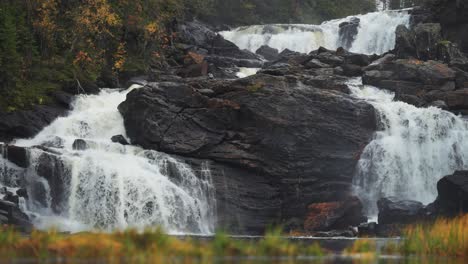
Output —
(150, 245)
(445, 237)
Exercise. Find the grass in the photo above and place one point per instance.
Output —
(151, 245)
(442, 238)
(445, 237)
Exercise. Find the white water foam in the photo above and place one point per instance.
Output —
(110, 186)
(412, 151)
(246, 72)
(376, 34)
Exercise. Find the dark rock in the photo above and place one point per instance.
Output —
(367, 229)
(200, 35)
(221, 61)
(39, 193)
(120, 139)
(453, 17)
(80, 144)
(356, 59)
(10, 197)
(348, 32)
(420, 43)
(15, 216)
(461, 78)
(411, 77)
(314, 63)
(394, 211)
(3, 218)
(260, 131)
(17, 155)
(351, 70)
(288, 53)
(334, 215)
(450, 54)
(55, 142)
(439, 104)
(27, 123)
(453, 195)
(64, 99)
(22, 192)
(405, 43)
(456, 100)
(330, 58)
(58, 176)
(427, 38)
(411, 99)
(268, 53)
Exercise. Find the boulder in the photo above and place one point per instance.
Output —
(299, 140)
(334, 215)
(288, 53)
(80, 144)
(314, 63)
(120, 139)
(352, 70)
(453, 195)
(268, 53)
(395, 211)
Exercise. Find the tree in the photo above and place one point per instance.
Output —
(10, 61)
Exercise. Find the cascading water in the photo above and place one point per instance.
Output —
(376, 34)
(106, 185)
(414, 148)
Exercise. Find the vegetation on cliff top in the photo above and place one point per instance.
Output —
(47, 45)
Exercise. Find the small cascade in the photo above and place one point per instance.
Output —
(413, 149)
(78, 179)
(376, 34)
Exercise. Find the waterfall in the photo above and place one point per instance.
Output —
(376, 34)
(108, 185)
(413, 149)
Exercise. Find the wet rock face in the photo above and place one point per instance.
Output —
(10, 214)
(299, 136)
(421, 83)
(348, 31)
(453, 16)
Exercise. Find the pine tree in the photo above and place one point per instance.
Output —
(10, 61)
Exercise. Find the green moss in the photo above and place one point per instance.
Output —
(445, 43)
(255, 87)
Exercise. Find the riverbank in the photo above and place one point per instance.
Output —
(442, 242)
